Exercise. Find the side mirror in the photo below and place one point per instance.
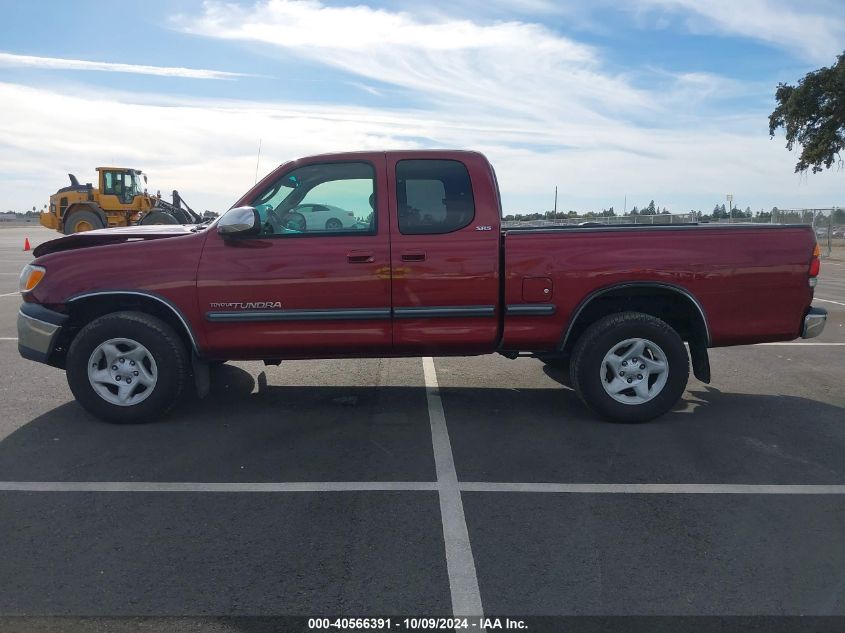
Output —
(239, 221)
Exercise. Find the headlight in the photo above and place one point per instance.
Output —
(30, 276)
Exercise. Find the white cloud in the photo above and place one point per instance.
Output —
(505, 66)
(542, 106)
(207, 150)
(814, 29)
(11, 60)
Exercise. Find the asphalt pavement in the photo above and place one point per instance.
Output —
(408, 487)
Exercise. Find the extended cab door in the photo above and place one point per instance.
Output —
(444, 252)
(308, 285)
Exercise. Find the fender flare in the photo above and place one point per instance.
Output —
(85, 206)
(149, 295)
(637, 284)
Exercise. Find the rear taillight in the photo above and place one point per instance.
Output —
(815, 265)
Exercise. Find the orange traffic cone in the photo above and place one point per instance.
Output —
(26, 244)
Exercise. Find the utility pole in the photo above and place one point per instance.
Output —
(554, 214)
(730, 198)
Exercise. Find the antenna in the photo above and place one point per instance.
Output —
(257, 160)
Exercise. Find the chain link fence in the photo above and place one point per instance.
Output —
(828, 224)
(660, 218)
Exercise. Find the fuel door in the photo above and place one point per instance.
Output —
(537, 289)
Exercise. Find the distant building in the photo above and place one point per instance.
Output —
(8, 217)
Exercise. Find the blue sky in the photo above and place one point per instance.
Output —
(647, 99)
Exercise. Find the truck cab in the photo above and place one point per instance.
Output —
(424, 260)
(120, 186)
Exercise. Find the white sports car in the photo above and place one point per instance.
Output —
(324, 217)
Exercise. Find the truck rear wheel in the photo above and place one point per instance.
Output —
(127, 367)
(630, 367)
(80, 221)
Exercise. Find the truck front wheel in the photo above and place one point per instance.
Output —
(127, 367)
(630, 367)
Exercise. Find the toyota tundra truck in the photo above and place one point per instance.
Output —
(402, 253)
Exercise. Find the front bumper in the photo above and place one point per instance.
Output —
(38, 331)
(814, 322)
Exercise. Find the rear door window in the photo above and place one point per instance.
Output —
(433, 196)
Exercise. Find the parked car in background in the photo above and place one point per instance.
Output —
(307, 218)
(325, 216)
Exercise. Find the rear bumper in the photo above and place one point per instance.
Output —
(38, 331)
(814, 322)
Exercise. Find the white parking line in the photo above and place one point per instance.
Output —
(804, 344)
(420, 486)
(190, 486)
(839, 303)
(460, 564)
(8, 338)
(661, 489)
(9, 294)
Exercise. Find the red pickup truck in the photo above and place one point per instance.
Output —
(402, 254)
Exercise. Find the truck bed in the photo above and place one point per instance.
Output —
(749, 280)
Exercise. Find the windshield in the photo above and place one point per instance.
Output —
(135, 183)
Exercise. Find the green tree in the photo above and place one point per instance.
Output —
(650, 209)
(813, 116)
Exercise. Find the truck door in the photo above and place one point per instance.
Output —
(310, 284)
(444, 254)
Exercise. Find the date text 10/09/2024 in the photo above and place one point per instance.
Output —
(416, 624)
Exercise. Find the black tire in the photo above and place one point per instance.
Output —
(600, 338)
(158, 217)
(333, 224)
(76, 218)
(164, 345)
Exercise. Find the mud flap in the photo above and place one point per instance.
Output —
(202, 377)
(700, 359)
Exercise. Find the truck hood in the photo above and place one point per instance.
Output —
(116, 235)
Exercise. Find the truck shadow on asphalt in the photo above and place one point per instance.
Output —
(354, 433)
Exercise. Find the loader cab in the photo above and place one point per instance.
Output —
(123, 184)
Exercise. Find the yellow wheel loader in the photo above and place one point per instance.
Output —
(120, 200)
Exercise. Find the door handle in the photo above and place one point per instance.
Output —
(413, 256)
(360, 257)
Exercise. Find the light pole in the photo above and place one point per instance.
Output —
(730, 198)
